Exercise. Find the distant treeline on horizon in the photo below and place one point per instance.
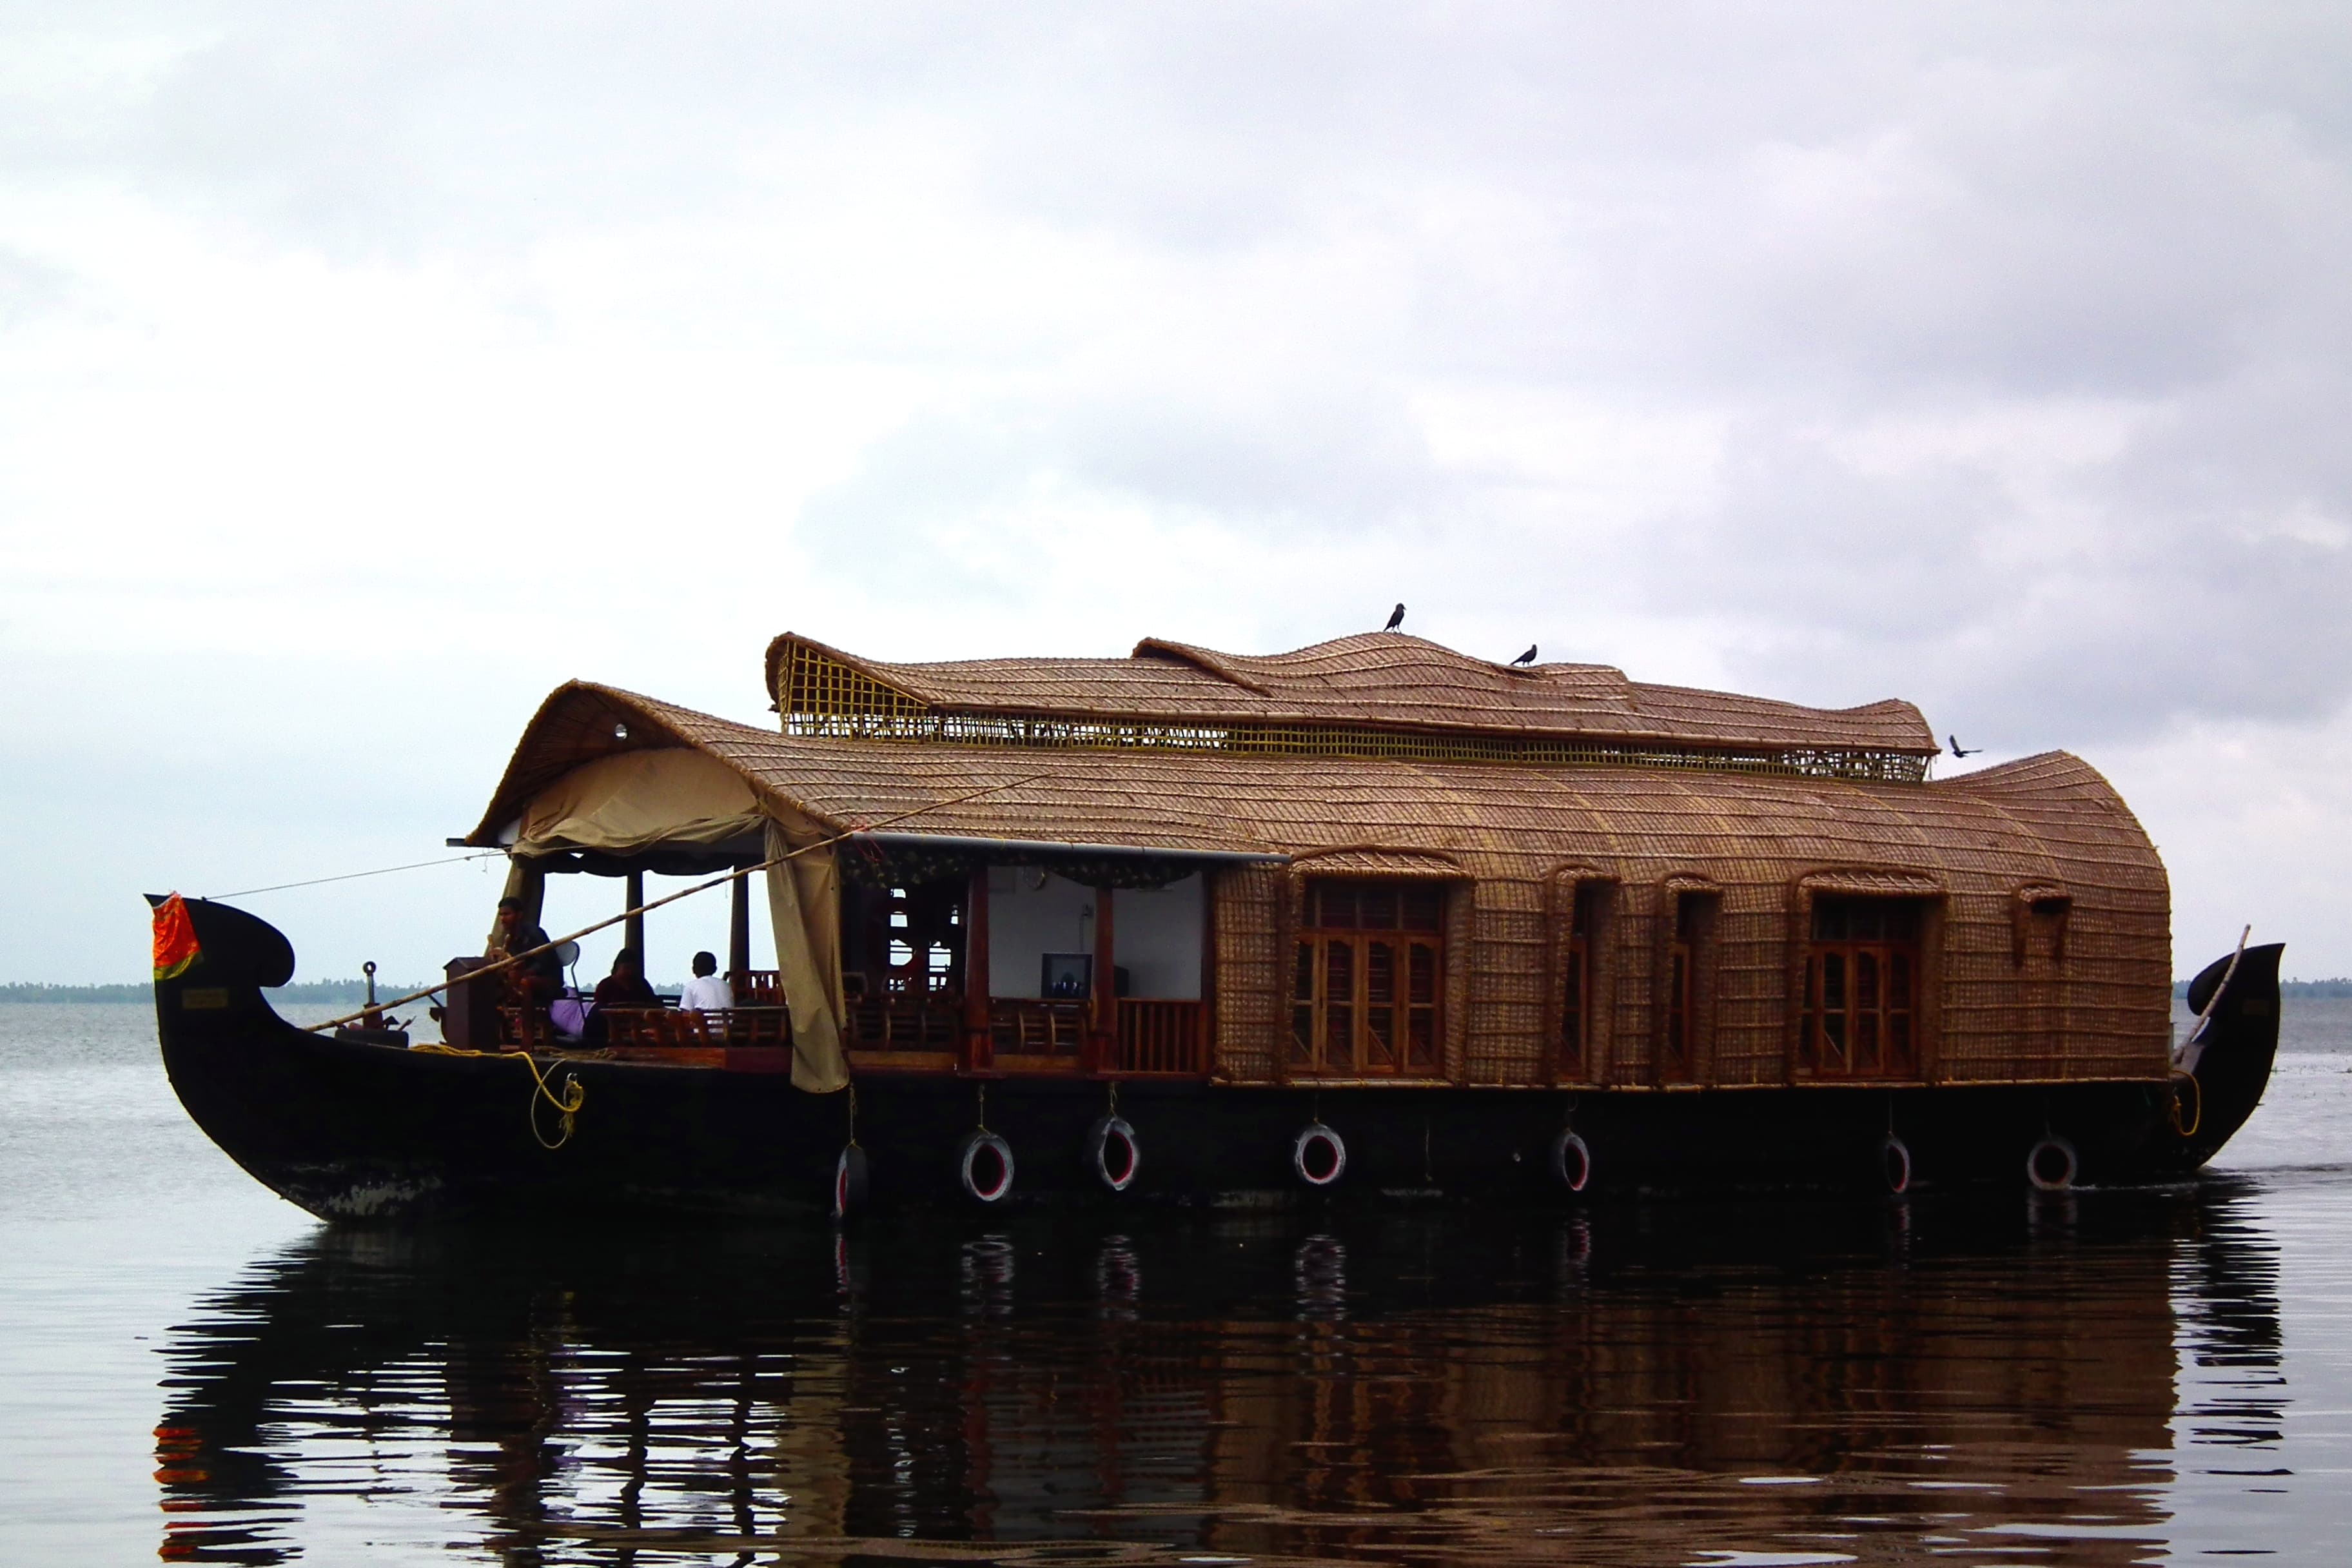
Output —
(307, 991)
(304, 991)
(2339, 986)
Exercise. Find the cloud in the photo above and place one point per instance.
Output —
(1991, 356)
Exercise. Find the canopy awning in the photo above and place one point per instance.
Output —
(639, 803)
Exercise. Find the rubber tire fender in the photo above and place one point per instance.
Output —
(1895, 1165)
(976, 1143)
(1314, 1132)
(1099, 1137)
(852, 1181)
(2064, 1150)
(1571, 1161)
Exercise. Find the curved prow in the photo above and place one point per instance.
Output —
(234, 948)
(237, 955)
(2229, 1057)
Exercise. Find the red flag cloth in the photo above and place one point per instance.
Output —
(175, 939)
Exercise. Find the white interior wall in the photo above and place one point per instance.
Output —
(673, 935)
(1156, 937)
(1155, 932)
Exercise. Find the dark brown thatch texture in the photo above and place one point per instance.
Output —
(1764, 844)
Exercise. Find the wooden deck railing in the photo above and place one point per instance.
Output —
(904, 1023)
(1032, 1029)
(1161, 1036)
(668, 1027)
(1154, 1037)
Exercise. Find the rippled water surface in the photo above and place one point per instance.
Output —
(190, 1367)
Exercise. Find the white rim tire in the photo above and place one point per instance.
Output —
(1895, 1165)
(1112, 1149)
(984, 1165)
(849, 1181)
(1318, 1155)
(1571, 1161)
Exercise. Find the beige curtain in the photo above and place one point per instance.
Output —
(804, 906)
(641, 800)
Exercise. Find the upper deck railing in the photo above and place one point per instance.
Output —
(825, 697)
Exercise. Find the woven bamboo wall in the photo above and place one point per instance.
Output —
(2100, 1012)
(1251, 1020)
(1506, 964)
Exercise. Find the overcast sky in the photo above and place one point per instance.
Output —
(367, 371)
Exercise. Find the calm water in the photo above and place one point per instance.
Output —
(189, 1367)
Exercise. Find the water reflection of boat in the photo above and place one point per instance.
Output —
(1369, 917)
(1656, 1383)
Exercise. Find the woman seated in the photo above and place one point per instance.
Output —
(625, 987)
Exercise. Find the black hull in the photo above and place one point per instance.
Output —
(350, 1129)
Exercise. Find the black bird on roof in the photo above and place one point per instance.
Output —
(1396, 619)
(1527, 658)
(1958, 752)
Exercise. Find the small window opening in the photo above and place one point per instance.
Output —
(1578, 999)
(1681, 1038)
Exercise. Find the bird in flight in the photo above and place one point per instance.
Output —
(1956, 751)
(1396, 619)
(1527, 658)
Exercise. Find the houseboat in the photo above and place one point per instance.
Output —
(1373, 918)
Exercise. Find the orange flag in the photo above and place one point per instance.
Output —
(175, 940)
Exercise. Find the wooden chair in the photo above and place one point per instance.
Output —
(630, 1026)
(759, 988)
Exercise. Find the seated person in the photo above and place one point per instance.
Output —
(541, 974)
(705, 992)
(626, 987)
(534, 982)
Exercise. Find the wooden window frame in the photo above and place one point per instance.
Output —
(1676, 1016)
(1582, 912)
(1860, 1011)
(1691, 909)
(1323, 952)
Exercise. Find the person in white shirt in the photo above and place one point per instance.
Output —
(705, 992)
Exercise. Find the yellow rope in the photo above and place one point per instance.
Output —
(2194, 1122)
(575, 1092)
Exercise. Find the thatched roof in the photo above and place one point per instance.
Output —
(1384, 681)
(2015, 817)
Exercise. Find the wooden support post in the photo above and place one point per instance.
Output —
(1207, 1053)
(978, 1035)
(738, 937)
(1103, 1042)
(633, 930)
